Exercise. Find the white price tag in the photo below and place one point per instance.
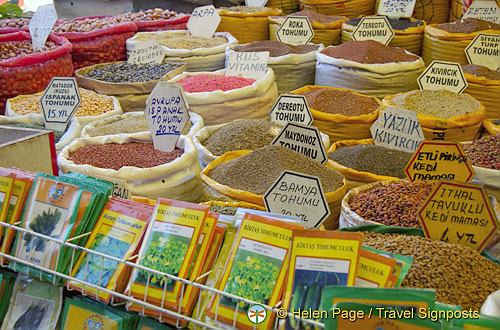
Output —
(397, 129)
(41, 24)
(255, 3)
(145, 52)
(298, 194)
(485, 10)
(295, 30)
(443, 75)
(374, 28)
(396, 8)
(203, 21)
(59, 102)
(291, 108)
(484, 50)
(247, 64)
(166, 113)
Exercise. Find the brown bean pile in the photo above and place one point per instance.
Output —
(147, 15)
(259, 169)
(20, 23)
(468, 25)
(460, 275)
(394, 204)
(116, 156)
(85, 25)
(481, 71)
(13, 49)
(341, 102)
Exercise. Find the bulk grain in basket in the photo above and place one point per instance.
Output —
(484, 85)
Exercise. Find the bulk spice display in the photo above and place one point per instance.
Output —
(135, 261)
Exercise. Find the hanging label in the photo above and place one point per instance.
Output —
(59, 102)
(295, 30)
(396, 8)
(291, 108)
(121, 188)
(203, 22)
(166, 113)
(374, 28)
(459, 213)
(485, 10)
(41, 24)
(249, 65)
(145, 52)
(397, 129)
(300, 195)
(255, 3)
(437, 160)
(484, 50)
(443, 75)
(303, 139)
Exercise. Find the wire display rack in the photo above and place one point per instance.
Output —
(117, 298)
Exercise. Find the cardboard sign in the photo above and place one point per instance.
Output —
(300, 195)
(291, 108)
(396, 8)
(443, 75)
(59, 102)
(484, 50)
(203, 22)
(295, 30)
(485, 10)
(247, 64)
(145, 52)
(438, 160)
(255, 3)
(41, 24)
(397, 129)
(303, 139)
(459, 213)
(166, 113)
(374, 28)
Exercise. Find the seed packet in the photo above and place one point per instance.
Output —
(34, 305)
(7, 280)
(443, 313)
(374, 270)
(403, 264)
(146, 323)
(81, 314)
(484, 322)
(118, 232)
(255, 270)
(169, 246)
(6, 184)
(213, 251)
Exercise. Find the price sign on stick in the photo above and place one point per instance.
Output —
(166, 113)
(41, 24)
(145, 52)
(59, 102)
(443, 75)
(396, 8)
(247, 64)
(300, 195)
(291, 108)
(485, 10)
(204, 21)
(374, 28)
(295, 30)
(484, 50)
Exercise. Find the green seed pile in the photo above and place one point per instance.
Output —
(373, 159)
(130, 73)
(242, 134)
(394, 204)
(484, 152)
(460, 275)
(259, 169)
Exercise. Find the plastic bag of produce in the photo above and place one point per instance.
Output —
(179, 179)
(131, 95)
(156, 19)
(253, 101)
(348, 8)
(31, 73)
(484, 85)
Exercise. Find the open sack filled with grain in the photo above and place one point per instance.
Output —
(149, 172)
(368, 67)
(447, 41)
(221, 99)
(131, 84)
(247, 24)
(293, 66)
(199, 53)
(348, 8)
(156, 19)
(134, 123)
(443, 115)
(326, 28)
(246, 175)
(241, 134)
(408, 33)
(341, 113)
(492, 126)
(484, 85)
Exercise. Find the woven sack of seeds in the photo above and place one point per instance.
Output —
(484, 85)
(326, 28)
(247, 24)
(250, 102)
(131, 95)
(348, 8)
(491, 127)
(287, 6)
(459, 7)
(291, 70)
(132, 123)
(431, 11)
(408, 33)
(199, 53)
(331, 112)
(443, 115)
(178, 179)
(447, 42)
(368, 67)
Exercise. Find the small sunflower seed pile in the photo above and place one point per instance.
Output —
(130, 73)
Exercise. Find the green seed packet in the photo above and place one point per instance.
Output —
(7, 280)
(483, 322)
(86, 314)
(403, 263)
(146, 323)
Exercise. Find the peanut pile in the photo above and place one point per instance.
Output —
(85, 25)
(20, 23)
(13, 49)
(147, 15)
